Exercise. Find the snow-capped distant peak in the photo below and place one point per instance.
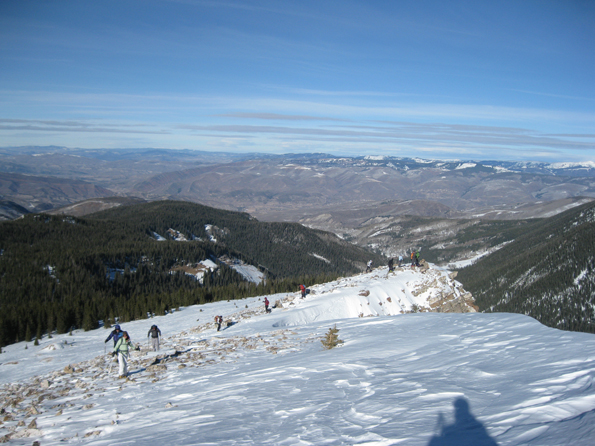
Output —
(584, 165)
(465, 166)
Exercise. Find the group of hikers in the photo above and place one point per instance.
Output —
(123, 345)
(415, 255)
(303, 291)
(415, 258)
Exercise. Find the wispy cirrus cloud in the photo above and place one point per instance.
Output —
(279, 117)
(406, 133)
(32, 125)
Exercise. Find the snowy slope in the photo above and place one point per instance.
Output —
(398, 378)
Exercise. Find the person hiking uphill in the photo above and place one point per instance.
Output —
(303, 290)
(417, 254)
(400, 260)
(154, 332)
(122, 349)
(369, 266)
(115, 334)
(391, 264)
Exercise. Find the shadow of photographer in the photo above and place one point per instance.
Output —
(465, 431)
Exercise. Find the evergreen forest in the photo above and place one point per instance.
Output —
(548, 272)
(58, 273)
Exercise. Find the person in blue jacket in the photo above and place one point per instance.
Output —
(115, 334)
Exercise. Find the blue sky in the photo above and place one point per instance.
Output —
(434, 79)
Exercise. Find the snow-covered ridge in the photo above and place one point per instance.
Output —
(465, 166)
(584, 164)
(416, 379)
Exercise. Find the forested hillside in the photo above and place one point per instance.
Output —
(60, 272)
(546, 273)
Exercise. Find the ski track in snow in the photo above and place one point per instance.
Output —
(413, 379)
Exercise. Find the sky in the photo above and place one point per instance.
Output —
(416, 379)
(477, 80)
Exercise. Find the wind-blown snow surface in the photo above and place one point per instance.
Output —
(413, 379)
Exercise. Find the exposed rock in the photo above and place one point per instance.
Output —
(32, 411)
(157, 367)
(92, 434)
(26, 433)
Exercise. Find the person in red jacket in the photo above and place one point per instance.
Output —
(303, 290)
(266, 305)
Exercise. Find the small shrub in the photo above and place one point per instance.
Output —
(331, 339)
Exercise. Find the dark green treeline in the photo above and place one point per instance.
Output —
(59, 273)
(547, 273)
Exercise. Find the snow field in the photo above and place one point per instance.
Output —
(398, 378)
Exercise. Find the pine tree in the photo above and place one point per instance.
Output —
(331, 339)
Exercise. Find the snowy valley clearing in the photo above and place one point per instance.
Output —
(399, 378)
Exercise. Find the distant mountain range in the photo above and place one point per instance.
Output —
(291, 187)
(536, 218)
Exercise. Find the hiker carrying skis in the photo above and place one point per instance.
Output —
(115, 334)
(122, 349)
(154, 332)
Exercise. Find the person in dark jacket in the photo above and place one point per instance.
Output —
(154, 333)
(115, 334)
(391, 264)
